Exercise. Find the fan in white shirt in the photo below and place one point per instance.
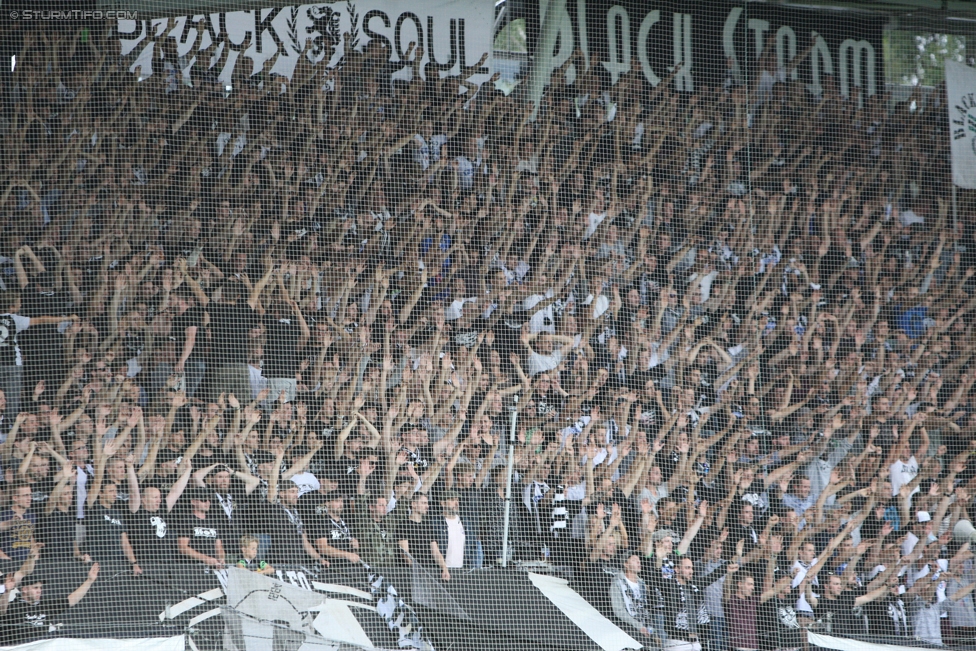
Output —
(905, 469)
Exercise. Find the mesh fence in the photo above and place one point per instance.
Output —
(650, 328)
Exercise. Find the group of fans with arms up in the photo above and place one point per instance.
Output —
(287, 325)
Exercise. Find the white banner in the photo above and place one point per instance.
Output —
(961, 91)
(846, 644)
(175, 643)
(453, 33)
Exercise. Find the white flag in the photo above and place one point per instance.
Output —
(961, 91)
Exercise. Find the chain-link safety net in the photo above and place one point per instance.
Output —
(453, 324)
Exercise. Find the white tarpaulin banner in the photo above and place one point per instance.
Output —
(961, 92)
(845, 644)
(175, 643)
(453, 33)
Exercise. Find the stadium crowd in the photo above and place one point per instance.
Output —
(288, 323)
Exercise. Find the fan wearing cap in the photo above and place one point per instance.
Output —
(33, 612)
(232, 491)
(199, 537)
(282, 519)
(684, 608)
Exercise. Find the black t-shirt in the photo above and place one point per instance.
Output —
(41, 492)
(40, 345)
(229, 327)
(313, 506)
(741, 532)
(9, 339)
(345, 469)
(192, 317)
(57, 532)
(240, 507)
(777, 623)
(418, 536)
(470, 504)
(285, 525)
(103, 533)
(336, 532)
(203, 534)
(594, 583)
(24, 621)
(890, 616)
(281, 356)
(152, 537)
(421, 458)
(845, 618)
(134, 342)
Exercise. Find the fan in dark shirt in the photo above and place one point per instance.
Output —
(199, 534)
(31, 614)
(415, 534)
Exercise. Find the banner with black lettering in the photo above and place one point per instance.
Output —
(452, 34)
(710, 43)
(961, 96)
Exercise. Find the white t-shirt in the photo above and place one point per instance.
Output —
(909, 544)
(454, 556)
(802, 605)
(542, 320)
(902, 473)
(541, 363)
(258, 381)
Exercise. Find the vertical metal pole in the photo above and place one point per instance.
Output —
(955, 208)
(508, 485)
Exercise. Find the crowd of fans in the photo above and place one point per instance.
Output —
(287, 324)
